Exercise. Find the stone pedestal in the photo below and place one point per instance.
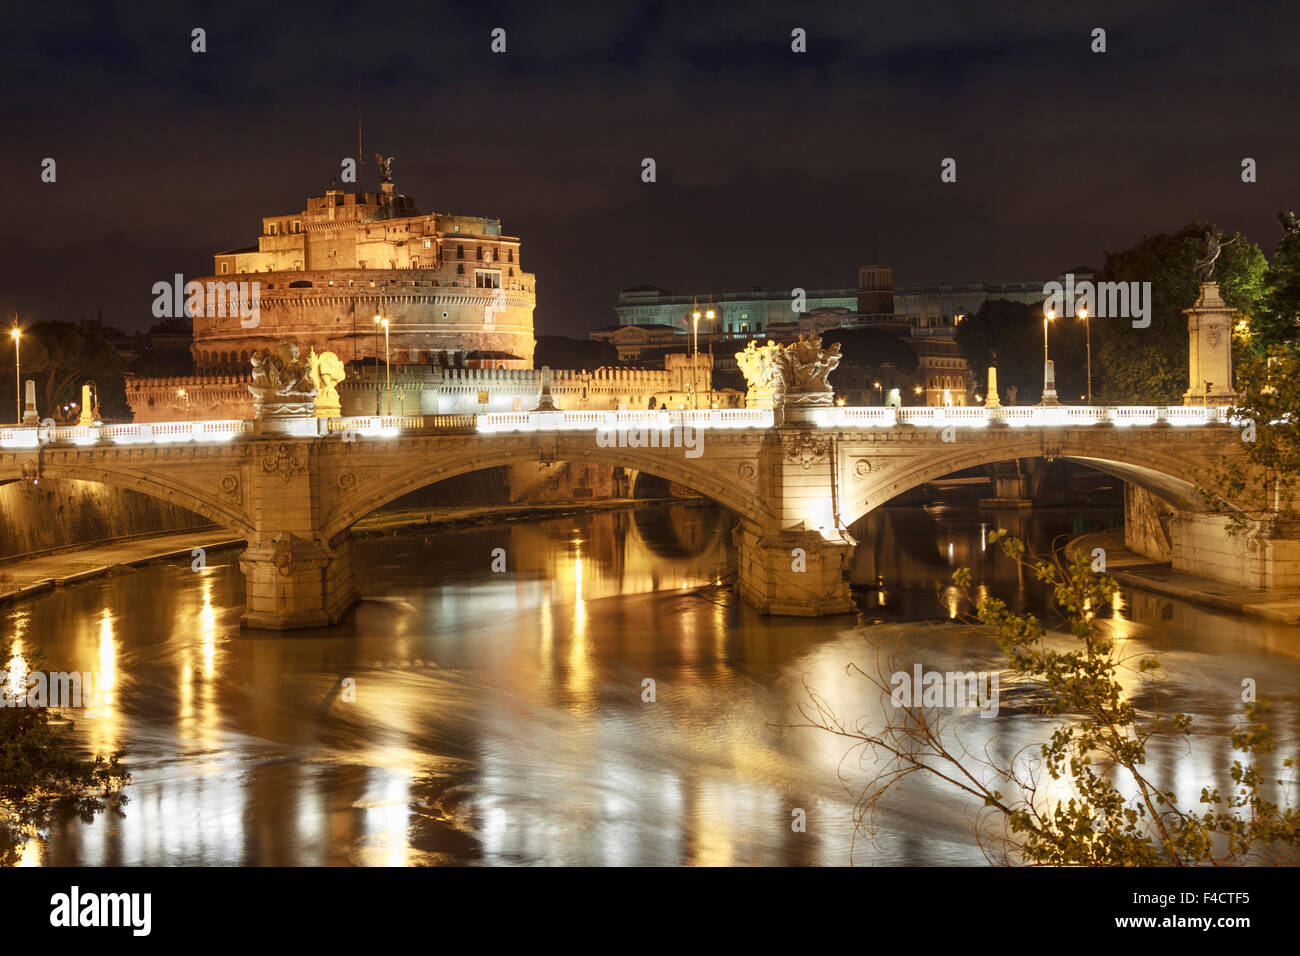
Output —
(992, 400)
(1049, 384)
(30, 417)
(794, 572)
(293, 582)
(1209, 349)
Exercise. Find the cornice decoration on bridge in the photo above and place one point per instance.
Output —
(284, 464)
(807, 450)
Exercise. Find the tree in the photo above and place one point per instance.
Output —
(1149, 365)
(42, 773)
(1277, 319)
(1086, 798)
(60, 357)
(868, 356)
(1260, 483)
(164, 363)
(1009, 336)
(557, 351)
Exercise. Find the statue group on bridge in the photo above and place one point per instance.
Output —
(794, 374)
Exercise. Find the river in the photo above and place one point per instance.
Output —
(499, 717)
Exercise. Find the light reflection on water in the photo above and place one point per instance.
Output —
(499, 716)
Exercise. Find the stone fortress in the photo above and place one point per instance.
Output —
(453, 288)
(458, 303)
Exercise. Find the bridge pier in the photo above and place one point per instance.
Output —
(793, 572)
(293, 582)
(293, 578)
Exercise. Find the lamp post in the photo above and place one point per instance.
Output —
(1049, 377)
(378, 405)
(695, 352)
(1083, 314)
(181, 393)
(880, 392)
(1047, 317)
(18, 376)
(388, 380)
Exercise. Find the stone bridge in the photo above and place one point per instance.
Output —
(795, 482)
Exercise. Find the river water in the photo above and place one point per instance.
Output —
(500, 717)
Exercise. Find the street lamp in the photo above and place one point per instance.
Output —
(880, 394)
(181, 393)
(1049, 379)
(1047, 317)
(1083, 314)
(18, 376)
(708, 315)
(388, 380)
(917, 390)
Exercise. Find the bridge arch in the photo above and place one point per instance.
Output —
(159, 484)
(1169, 473)
(707, 476)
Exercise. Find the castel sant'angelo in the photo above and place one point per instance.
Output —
(452, 288)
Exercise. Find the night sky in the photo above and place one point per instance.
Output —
(774, 168)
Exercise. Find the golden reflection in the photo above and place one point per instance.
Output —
(17, 671)
(581, 671)
(107, 662)
(208, 631)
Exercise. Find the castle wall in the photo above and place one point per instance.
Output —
(431, 390)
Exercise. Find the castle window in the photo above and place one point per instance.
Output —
(428, 243)
(510, 255)
(225, 267)
(512, 273)
(480, 254)
(460, 253)
(297, 226)
(496, 255)
(484, 279)
(270, 229)
(460, 270)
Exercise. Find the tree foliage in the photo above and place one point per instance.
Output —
(1149, 365)
(1085, 797)
(1260, 483)
(557, 351)
(43, 774)
(1276, 321)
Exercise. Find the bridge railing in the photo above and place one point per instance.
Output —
(662, 419)
(387, 425)
(968, 416)
(155, 433)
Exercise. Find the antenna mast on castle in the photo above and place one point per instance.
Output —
(360, 155)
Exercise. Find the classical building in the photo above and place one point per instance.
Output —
(750, 313)
(453, 288)
(653, 321)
